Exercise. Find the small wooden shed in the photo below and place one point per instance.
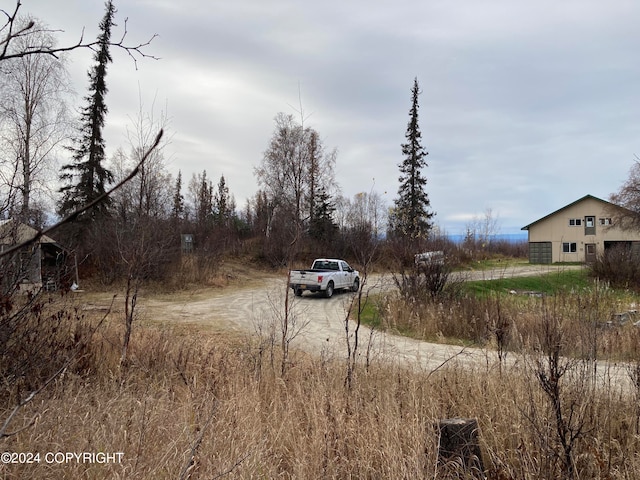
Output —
(42, 264)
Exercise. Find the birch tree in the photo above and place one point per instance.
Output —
(35, 120)
(295, 169)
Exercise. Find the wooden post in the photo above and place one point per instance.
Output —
(459, 446)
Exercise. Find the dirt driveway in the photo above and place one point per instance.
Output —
(319, 323)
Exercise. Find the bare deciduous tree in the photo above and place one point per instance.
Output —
(481, 230)
(143, 246)
(150, 192)
(362, 220)
(35, 120)
(628, 197)
(367, 211)
(17, 324)
(295, 170)
(480, 233)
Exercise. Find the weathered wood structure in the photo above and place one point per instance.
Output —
(42, 264)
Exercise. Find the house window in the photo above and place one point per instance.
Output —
(605, 221)
(575, 222)
(569, 247)
(590, 222)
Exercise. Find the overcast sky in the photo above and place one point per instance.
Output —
(526, 106)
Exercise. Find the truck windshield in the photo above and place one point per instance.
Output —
(325, 265)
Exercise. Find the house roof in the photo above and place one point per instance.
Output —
(586, 197)
(13, 233)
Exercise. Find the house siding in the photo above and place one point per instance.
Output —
(568, 232)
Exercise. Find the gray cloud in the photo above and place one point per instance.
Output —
(526, 106)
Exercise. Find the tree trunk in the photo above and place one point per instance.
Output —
(459, 447)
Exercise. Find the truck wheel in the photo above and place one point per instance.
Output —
(298, 292)
(329, 291)
(356, 285)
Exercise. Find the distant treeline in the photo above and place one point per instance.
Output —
(502, 237)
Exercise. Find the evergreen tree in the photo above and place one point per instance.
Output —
(322, 226)
(201, 190)
(178, 199)
(223, 204)
(86, 177)
(411, 216)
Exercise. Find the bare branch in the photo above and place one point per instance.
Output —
(461, 352)
(9, 25)
(233, 467)
(625, 210)
(196, 445)
(31, 396)
(74, 215)
(134, 51)
(131, 50)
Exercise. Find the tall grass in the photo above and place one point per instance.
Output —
(509, 314)
(198, 404)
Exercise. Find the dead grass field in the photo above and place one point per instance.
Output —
(196, 400)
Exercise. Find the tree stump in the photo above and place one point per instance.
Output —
(459, 447)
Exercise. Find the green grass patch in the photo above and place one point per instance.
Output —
(370, 314)
(374, 312)
(548, 284)
(495, 262)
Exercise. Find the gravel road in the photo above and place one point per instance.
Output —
(319, 323)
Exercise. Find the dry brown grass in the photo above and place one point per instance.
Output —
(192, 403)
(516, 322)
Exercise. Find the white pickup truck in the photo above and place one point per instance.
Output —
(325, 275)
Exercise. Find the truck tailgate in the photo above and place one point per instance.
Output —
(303, 277)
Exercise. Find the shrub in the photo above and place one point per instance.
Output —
(427, 281)
(619, 265)
(42, 337)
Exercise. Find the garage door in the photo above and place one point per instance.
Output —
(540, 252)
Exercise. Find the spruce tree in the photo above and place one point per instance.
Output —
(223, 204)
(322, 226)
(203, 202)
(411, 217)
(86, 177)
(177, 210)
